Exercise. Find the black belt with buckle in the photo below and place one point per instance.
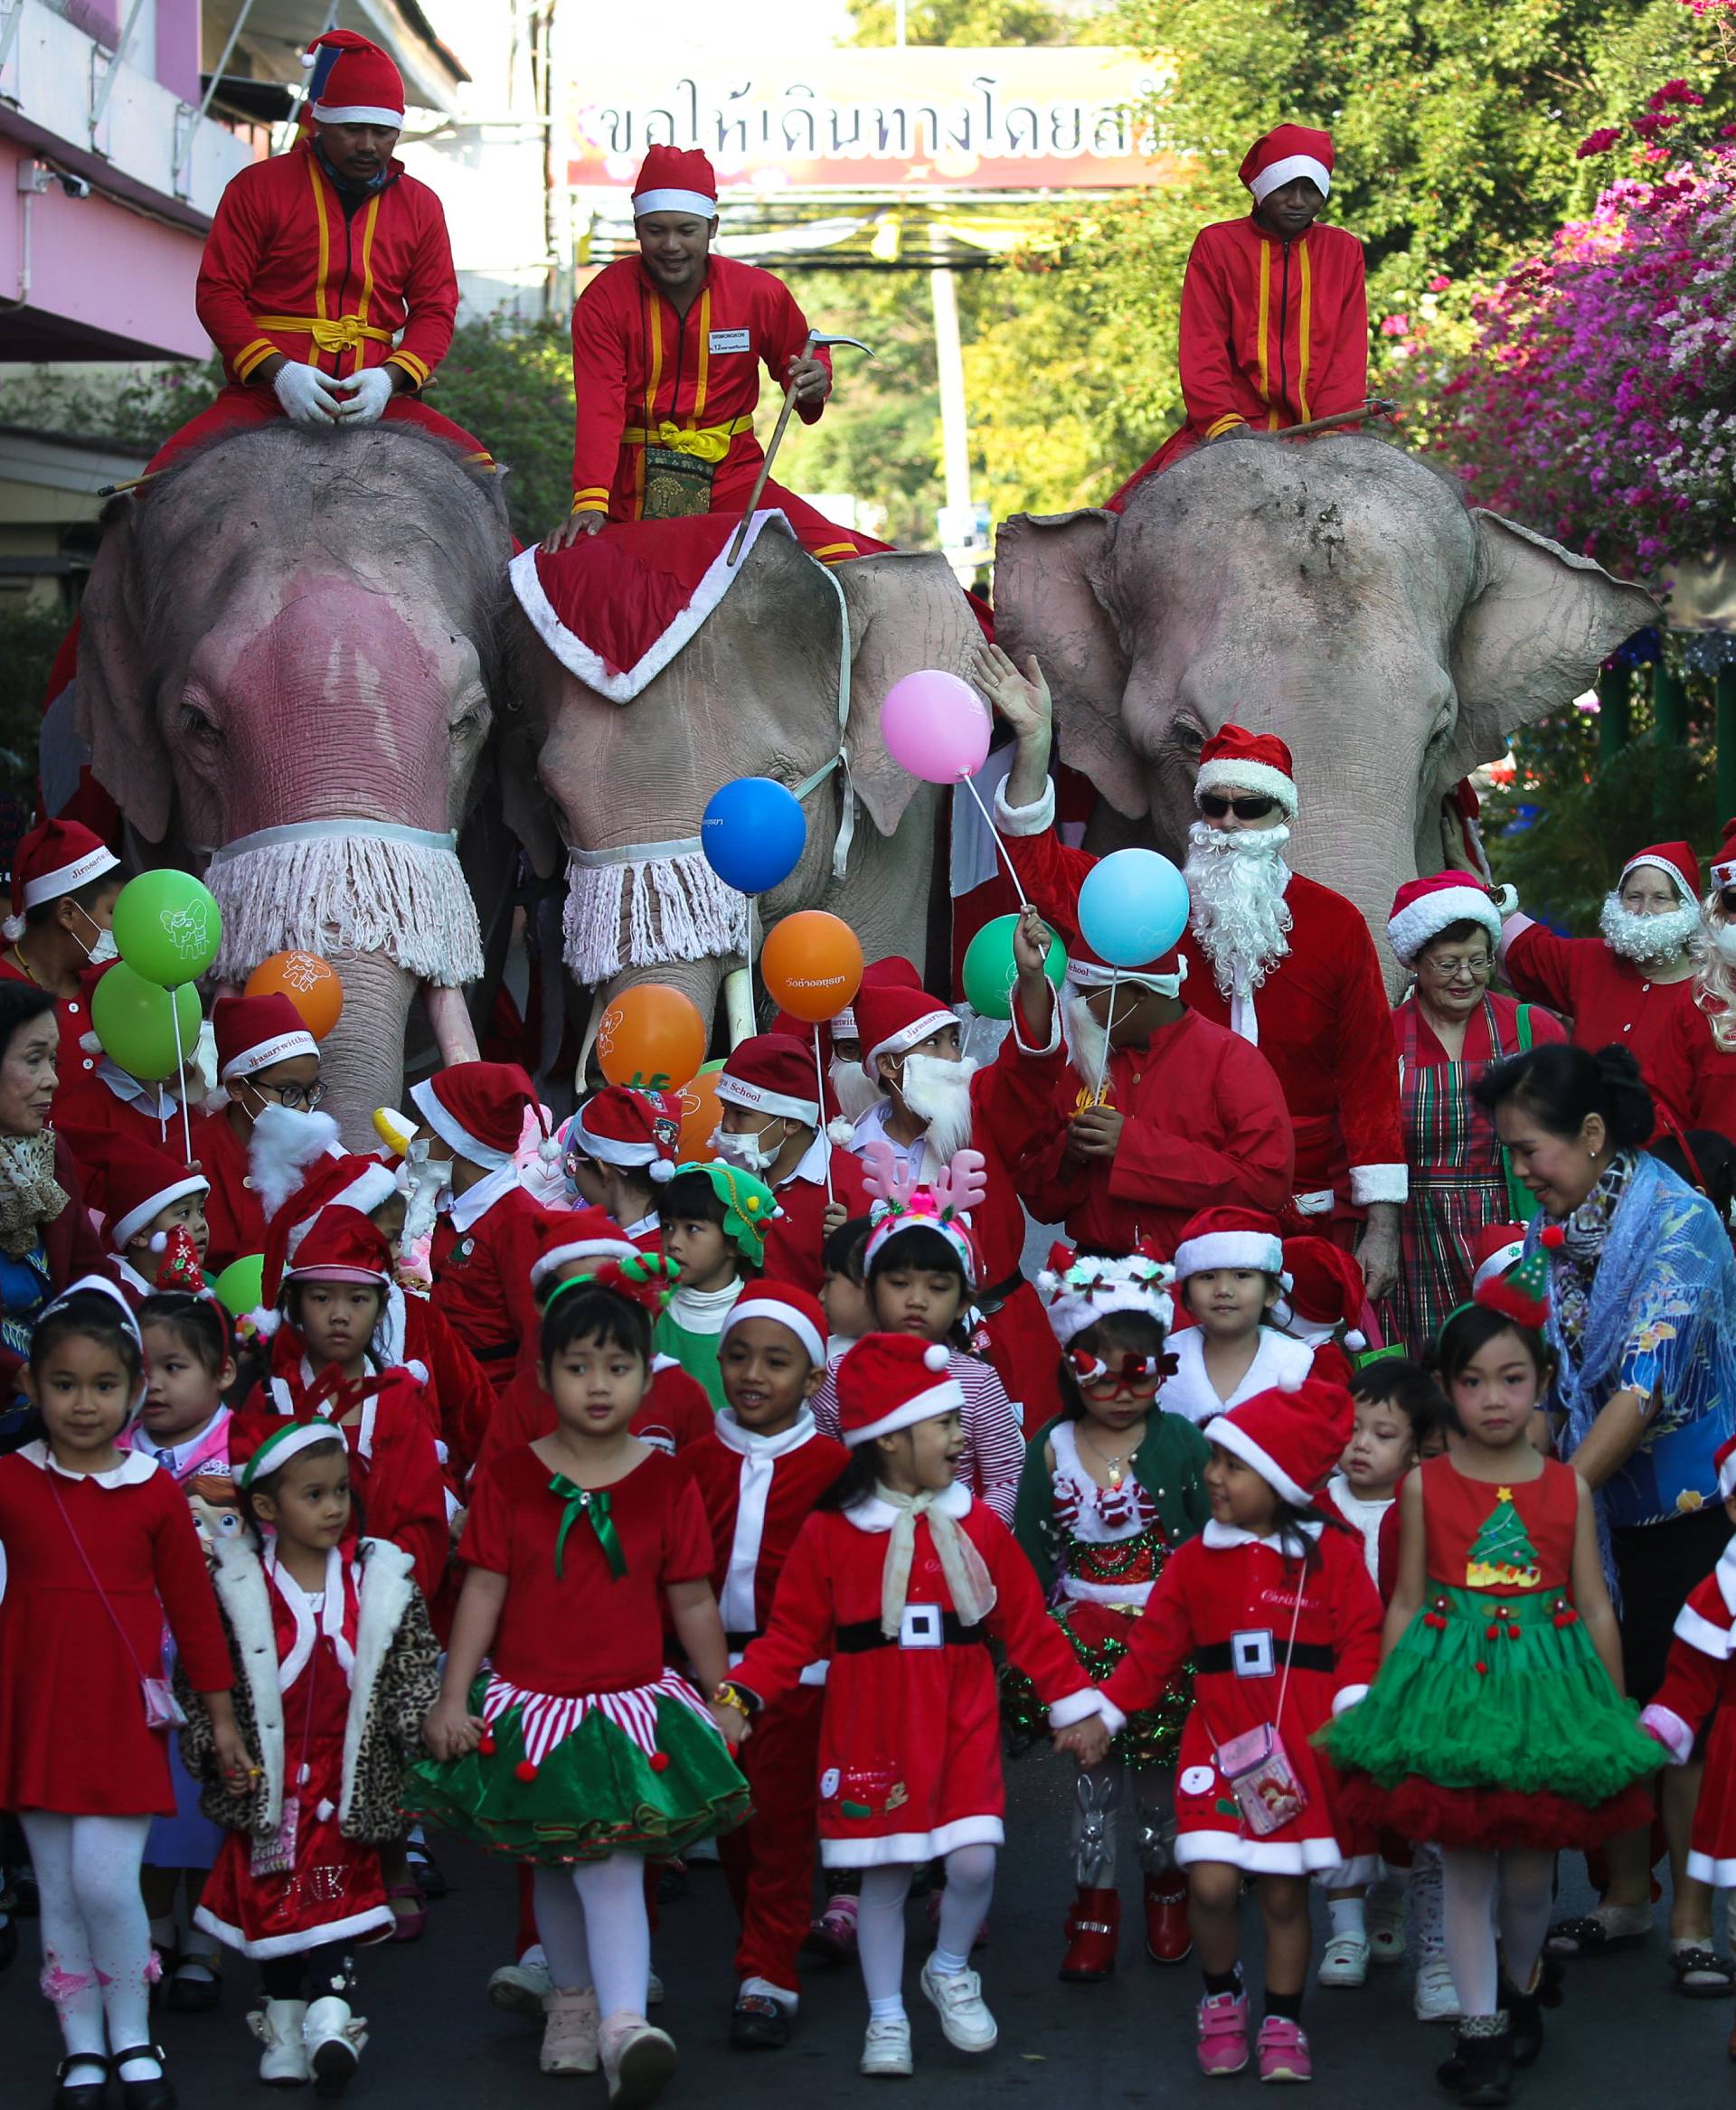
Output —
(938, 1630)
(1301, 1655)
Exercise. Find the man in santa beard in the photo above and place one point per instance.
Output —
(1629, 984)
(1285, 963)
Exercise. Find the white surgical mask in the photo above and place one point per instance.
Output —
(104, 949)
(745, 1150)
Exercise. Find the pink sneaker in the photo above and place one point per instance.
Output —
(1223, 2032)
(1284, 2051)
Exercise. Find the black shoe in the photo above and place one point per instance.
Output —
(155, 2093)
(759, 2023)
(8, 1942)
(195, 1987)
(1525, 2018)
(426, 1870)
(1480, 2071)
(85, 2094)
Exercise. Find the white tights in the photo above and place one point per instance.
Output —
(1469, 1891)
(880, 1922)
(594, 1930)
(96, 1938)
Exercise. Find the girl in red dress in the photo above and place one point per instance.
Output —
(902, 1577)
(99, 1544)
(1275, 1607)
(336, 1660)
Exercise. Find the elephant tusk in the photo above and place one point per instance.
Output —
(448, 1017)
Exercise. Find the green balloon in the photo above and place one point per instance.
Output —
(991, 970)
(167, 926)
(134, 1019)
(240, 1287)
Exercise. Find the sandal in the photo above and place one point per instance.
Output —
(1700, 1973)
(1610, 1926)
(407, 1926)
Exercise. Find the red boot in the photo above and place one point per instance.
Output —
(1093, 1928)
(1168, 1937)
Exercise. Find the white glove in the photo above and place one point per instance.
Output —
(369, 394)
(306, 394)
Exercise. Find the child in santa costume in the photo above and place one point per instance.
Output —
(1275, 1609)
(1324, 1303)
(901, 1579)
(577, 1750)
(1229, 1278)
(473, 1116)
(760, 1473)
(99, 1546)
(1496, 1726)
(64, 883)
(1110, 1491)
(622, 1147)
(144, 1194)
(267, 1064)
(336, 1668)
(770, 1124)
(715, 1222)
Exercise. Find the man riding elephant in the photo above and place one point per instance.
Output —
(1274, 316)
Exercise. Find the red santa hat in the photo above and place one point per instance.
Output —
(619, 1127)
(359, 1183)
(342, 1245)
(774, 1075)
(1496, 1250)
(578, 1234)
(888, 1381)
(1327, 1290)
(1086, 971)
(1423, 908)
(894, 972)
(1230, 1237)
(1724, 863)
(1521, 1292)
(1235, 759)
(138, 1182)
(676, 179)
(1724, 1460)
(1292, 1439)
(790, 1306)
(56, 858)
(1287, 152)
(353, 81)
(255, 1032)
(893, 1020)
(477, 1110)
(1676, 859)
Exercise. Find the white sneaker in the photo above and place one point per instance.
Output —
(1436, 1999)
(277, 2025)
(959, 2000)
(522, 1989)
(886, 2049)
(334, 2040)
(1345, 1961)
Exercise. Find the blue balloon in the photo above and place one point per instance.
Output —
(753, 834)
(1132, 907)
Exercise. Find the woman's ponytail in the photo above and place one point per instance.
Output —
(1627, 1110)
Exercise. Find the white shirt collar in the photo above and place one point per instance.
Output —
(875, 1515)
(730, 1432)
(151, 1099)
(1221, 1538)
(811, 1165)
(134, 1466)
(468, 1209)
(643, 1228)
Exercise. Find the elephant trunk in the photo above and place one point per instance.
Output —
(362, 1058)
(1365, 839)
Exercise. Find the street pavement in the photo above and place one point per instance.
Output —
(1622, 2039)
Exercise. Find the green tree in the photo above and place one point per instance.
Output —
(511, 383)
(970, 22)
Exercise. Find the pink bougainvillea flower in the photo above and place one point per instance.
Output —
(1439, 282)
(1599, 142)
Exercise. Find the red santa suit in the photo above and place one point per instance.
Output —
(57, 858)
(99, 1104)
(759, 1492)
(1692, 1078)
(1608, 999)
(1700, 1686)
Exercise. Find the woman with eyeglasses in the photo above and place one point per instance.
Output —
(1693, 1071)
(1448, 1027)
(266, 1056)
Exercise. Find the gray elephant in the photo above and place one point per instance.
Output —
(783, 679)
(1339, 593)
(291, 650)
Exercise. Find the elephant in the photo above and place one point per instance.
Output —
(292, 649)
(760, 690)
(1339, 593)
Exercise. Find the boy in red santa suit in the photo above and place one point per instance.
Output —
(64, 883)
(144, 1194)
(267, 1064)
(770, 1126)
(759, 1470)
(621, 1148)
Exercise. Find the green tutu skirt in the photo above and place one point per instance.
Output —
(1494, 1723)
(1098, 1637)
(642, 1772)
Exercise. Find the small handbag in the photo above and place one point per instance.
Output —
(1256, 1766)
(162, 1710)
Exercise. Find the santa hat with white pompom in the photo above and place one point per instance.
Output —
(636, 1130)
(138, 1184)
(889, 1381)
(477, 1110)
(1293, 1438)
(352, 82)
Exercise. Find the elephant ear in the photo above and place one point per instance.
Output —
(1050, 598)
(907, 612)
(1538, 624)
(114, 709)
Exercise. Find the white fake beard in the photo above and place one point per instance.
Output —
(1648, 941)
(1239, 915)
(938, 1092)
(745, 1152)
(1087, 1041)
(1723, 936)
(855, 1094)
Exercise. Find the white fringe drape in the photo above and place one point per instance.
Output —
(666, 908)
(348, 893)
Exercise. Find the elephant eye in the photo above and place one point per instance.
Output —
(195, 723)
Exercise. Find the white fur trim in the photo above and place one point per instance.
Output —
(1413, 927)
(1258, 1856)
(243, 1592)
(1498, 1262)
(608, 1150)
(385, 1589)
(1091, 975)
(544, 1265)
(1347, 1696)
(733, 1091)
(1190, 1393)
(911, 1846)
(1076, 1707)
(1727, 1478)
(124, 1228)
(1725, 1576)
(283, 1048)
(367, 1191)
(1720, 1875)
(1512, 927)
(1379, 1184)
(1230, 1249)
(1699, 1633)
(67, 878)
(1687, 899)
(1230, 1435)
(1249, 777)
(1670, 1729)
(945, 1398)
(284, 1142)
(755, 1306)
(1280, 172)
(14, 926)
(358, 113)
(1114, 1720)
(1051, 1046)
(1724, 875)
(1035, 819)
(695, 201)
(452, 1132)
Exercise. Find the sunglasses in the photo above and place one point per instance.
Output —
(1214, 806)
(1126, 1373)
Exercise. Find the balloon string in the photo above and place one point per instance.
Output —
(994, 836)
(1103, 1060)
(819, 1072)
(180, 1071)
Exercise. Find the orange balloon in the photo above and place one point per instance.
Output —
(652, 1037)
(311, 984)
(700, 1111)
(811, 965)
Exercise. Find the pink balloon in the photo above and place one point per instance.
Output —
(934, 726)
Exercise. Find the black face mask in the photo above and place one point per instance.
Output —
(346, 187)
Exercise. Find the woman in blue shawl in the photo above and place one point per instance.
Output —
(1642, 1322)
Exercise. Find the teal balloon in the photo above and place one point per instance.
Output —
(240, 1287)
(1132, 907)
(167, 926)
(990, 969)
(135, 1021)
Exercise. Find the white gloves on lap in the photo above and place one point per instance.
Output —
(306, 394)
(369, 394)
